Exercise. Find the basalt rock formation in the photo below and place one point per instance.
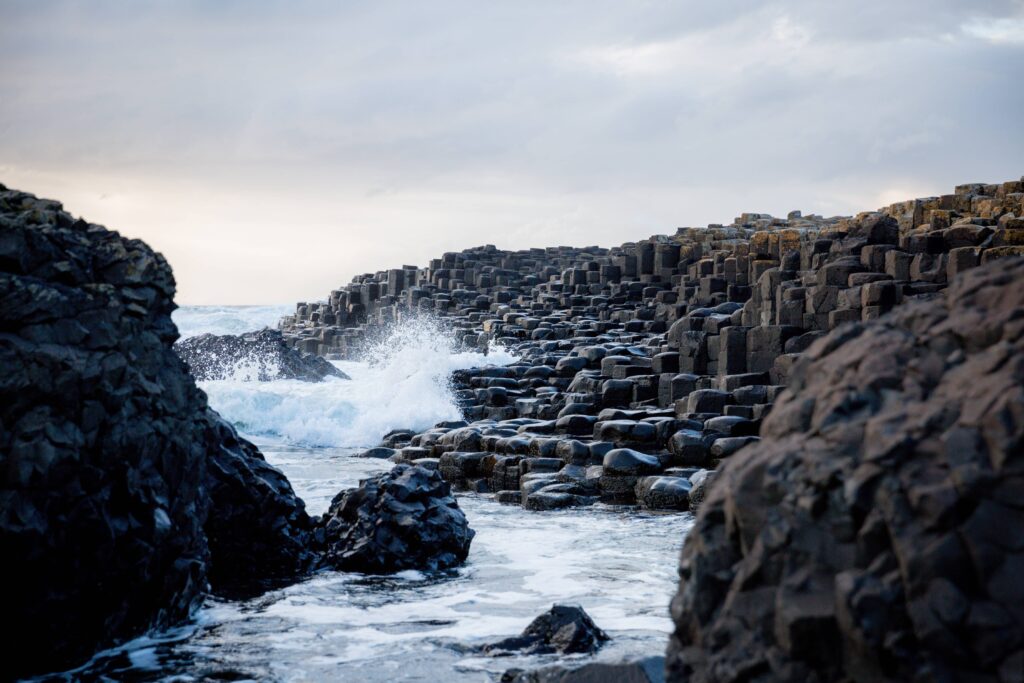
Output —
(643, 367)
(261, 356)
(874, 533)
(870, 535)
(398, 520)
(101, 512)
(121, 492)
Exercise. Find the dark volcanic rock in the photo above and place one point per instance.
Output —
(258, 531)
(100, 513)
(110, 461)
(261, 356)
(398, 520)
(874, 534)
(563, 629)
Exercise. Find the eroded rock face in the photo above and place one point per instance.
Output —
(398, 520)
(260, 356)
(101, 517)
(258, 531)
(121, 492)
(874, 534)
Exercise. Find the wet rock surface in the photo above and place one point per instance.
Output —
(668, 352)
(874, 532)
(565, 629)
(102, 438)
(398, 520)
(260, 356)
(650, 374)
(259, 534)
(123, 496)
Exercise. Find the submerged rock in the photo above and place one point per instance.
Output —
(564, 629)
(874, 534)
(647, 670)
(398, 520)
(261, 356)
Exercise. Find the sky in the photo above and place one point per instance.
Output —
(272, 150)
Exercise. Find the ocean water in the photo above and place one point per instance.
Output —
(619, 565)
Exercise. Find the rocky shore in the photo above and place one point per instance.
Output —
(124, 499)
(838, 399)
(645, 366)
(860, 525)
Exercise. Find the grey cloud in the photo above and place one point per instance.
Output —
(580, 113)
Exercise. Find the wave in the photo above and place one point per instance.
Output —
(195, 320)
(400, 383)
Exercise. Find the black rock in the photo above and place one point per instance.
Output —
(874, 533)
(563, 629)
(258, 531)
(398, 520)
(261, 356)
(121, 492)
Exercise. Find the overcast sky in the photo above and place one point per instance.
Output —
(271, 150)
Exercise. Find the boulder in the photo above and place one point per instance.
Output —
(260, 356)
(880, 513)
(627, 462)
(700, 481)
(564, 629)
(397, 520)
(663, 493)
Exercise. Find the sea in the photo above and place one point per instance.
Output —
(618, 564)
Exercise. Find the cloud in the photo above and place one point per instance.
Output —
(316, 140)
(1001, 30)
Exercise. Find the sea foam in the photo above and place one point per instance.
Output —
(401, 383)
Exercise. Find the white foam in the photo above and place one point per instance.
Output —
(195, 320)
(401, 384)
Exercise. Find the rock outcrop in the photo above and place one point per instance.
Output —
(874, 533)
(260, 356)
(398, 520)
(258, 531)
(121, 492)
(565, 629)
(101, 504)
(645, 366)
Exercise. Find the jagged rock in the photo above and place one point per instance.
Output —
(398, 520)
(257, 528)
(874, 532)
(564, 629)
(261, 356)
(121, 493)
(101, 471)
